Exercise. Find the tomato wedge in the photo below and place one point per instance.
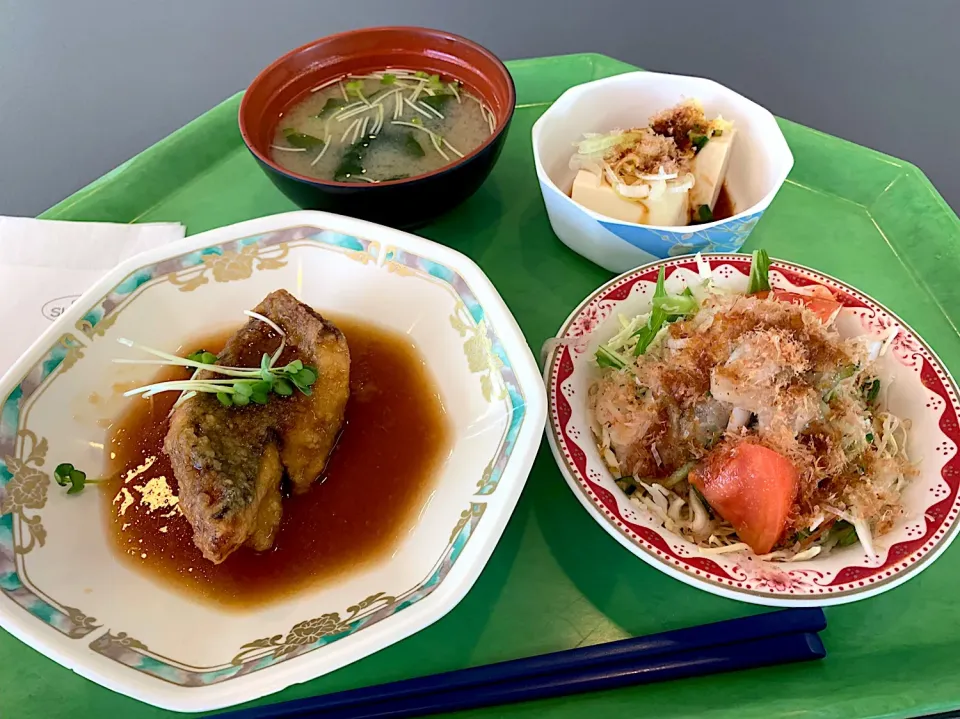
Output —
(752, 487)
(825, 309)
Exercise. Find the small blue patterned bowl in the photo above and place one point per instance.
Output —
(758, 166)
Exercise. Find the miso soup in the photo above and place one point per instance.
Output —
(381, 126)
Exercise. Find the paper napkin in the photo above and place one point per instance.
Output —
(46, 264)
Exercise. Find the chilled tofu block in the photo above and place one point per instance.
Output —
(709, 169)
(593, 193)
(671, 209)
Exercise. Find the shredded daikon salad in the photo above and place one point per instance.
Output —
(746, 422)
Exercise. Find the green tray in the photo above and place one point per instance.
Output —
(557, 580)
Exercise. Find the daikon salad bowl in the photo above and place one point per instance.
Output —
(919, 389)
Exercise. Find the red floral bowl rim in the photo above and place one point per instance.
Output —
(903, 560)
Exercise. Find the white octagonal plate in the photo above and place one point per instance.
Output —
(62, 589)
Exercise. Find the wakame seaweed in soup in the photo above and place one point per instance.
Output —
(382, 126)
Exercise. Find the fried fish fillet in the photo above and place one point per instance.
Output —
(229, 461)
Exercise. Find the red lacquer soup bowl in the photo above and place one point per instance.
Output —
(400, 203)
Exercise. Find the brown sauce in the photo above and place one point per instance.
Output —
(395, 437)
(723, 208)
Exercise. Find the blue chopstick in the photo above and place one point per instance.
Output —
(711, 660)
(723, 646)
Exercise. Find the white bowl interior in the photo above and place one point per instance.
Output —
(205, 634)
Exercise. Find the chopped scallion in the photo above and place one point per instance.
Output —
(845, 533)
(759, 273)
(676, 304)
(608, 358)
(656, 320)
